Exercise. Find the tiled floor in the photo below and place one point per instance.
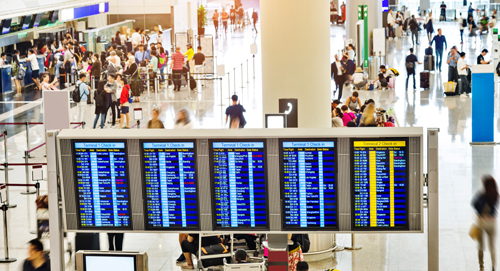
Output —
(460, 164)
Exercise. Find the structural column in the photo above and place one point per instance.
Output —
(296, 58)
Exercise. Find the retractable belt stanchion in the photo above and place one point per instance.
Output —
(157, 84)
(253, 66)
(26, 166)
(7, 259)
(189, 88)
(147, 80)
(241, 67)
(248, 79)
(28, 140)
(353, 244)
(6, 171)
(234, 78)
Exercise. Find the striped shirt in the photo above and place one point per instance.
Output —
(178, 59)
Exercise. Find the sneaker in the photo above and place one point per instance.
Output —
(463, 95)
(181, 259)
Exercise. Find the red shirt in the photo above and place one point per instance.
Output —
(125, 94)
(178, 59)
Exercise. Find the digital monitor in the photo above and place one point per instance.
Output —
(35, 22)
(6, 26)
(379, 184)
(170, 185)
(25, 22)
(238, 173)
(102, 182)
(276, 121)
(103, 262)
(54, 16)
(385, 5)
(309, 184)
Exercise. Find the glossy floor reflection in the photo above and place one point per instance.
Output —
(460, 164)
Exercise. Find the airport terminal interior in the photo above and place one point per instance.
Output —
(301, 175)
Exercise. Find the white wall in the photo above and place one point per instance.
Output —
(97, 21)
(181, 15)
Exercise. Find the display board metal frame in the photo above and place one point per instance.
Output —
(271, 137)
(166, 229)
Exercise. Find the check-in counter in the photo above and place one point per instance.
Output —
(27, 64)
(5, 79)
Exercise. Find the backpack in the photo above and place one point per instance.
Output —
(305, 243)
(47, 60)
(410, 65)
(498, 69)
(464, 23)
(396, 73)
(76, 94)
(99, 102)
(61, 58)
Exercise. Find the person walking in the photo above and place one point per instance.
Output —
(462, 23)
(255, 17)
(232, 16)
(414, 29)
(480, 58)
(442, 17)
(215, 19)
(429, 26)
(485, 205)
(440, 40)
(235, 111)
(225, 18)
(411, 59)
(338, 73)
(241, 16)
(462, 73)
(36, 261)
(176, 67)
(155, 123)
(101, 104)
(390, 24)
(84, 93)
(34, 68)
(452, 61)
(183, 120)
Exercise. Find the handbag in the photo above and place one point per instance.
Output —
(474, 232)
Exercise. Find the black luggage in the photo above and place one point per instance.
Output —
(429, 51)
(87, 241)
(62, 78)
(214, 262)
(429, 63)
(424, 80)
(192, 83)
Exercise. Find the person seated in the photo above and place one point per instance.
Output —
(241, 256)
(360, 79)
(302, 266)
(337, 116)
(380, 82)
(190, 246)
(347, 116)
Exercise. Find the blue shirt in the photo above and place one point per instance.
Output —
(140, 56)
(440, 40)
(453, 63)
(84, 91)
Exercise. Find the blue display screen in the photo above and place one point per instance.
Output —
(102, 185)
(239, 182)
(385, 5)
(86, 11)
(380, 184)
(309, 184)
(6, 26)
(26, 22)
(170, 185)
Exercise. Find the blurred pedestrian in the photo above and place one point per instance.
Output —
(36, 259)
(215, 18)
(485, 205)
(236, 110)
(183, 120)
(155, 123)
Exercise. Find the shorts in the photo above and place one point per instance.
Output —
(124, 109)
(34, 74)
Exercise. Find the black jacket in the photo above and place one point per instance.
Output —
(104, 108)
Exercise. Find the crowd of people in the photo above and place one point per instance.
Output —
(233, 20)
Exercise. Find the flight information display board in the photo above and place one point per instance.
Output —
(238, 172)
(380, 184)
(170, 186)
(103, 198)
(308, 174)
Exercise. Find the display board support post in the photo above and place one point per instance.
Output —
(5, 154)
(55, 224)
(27, 170)
(433, 199)
(337, 247)
(353, 244)
(6, 171)
(6, 236)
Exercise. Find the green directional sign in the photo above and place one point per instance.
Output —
(365, 18)
(360, 13)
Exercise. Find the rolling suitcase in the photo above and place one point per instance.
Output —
(62, 78)
(398, 32)
(192, 83)
(429, 63)
(424, 80)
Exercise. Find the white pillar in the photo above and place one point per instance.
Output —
(296, 58)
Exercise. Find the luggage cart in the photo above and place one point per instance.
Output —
(258, 266)
(201, 257)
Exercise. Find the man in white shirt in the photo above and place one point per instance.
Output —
(390, 23)
(136, 38)
(462, 73)
(34, 67)
(2, 59)
(68, 61)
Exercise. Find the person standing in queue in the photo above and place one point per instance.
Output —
(255, 17)
(452, 61)
(480, 58)
(68, 62)
(155, 123)
(189, 53)
(176, 67)
(36, 261)
(462, 73)
(101, 103)
(199, 59)
(16, 66)
(215, 19)
(133, 72)
(125, 95)
(235, 111)
(34, 68)
(110, 88)
(485, 205)
(84, 94)
(440, 40)
(95, 70)
(3, 56)
(411, 59)
(225, 18)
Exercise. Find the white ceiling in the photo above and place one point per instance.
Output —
(14, 8)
